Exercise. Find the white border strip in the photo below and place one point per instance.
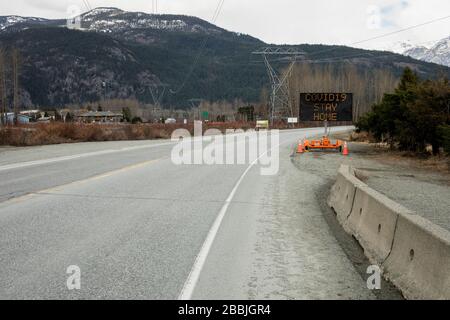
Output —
(77, 156)
(194, 275)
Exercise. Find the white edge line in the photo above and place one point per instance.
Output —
(95, 153)
(194, 275)
(77, 156)
(86, 155)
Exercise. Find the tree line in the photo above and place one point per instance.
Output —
(415, 115)
(367, 86)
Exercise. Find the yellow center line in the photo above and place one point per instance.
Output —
(90, 179)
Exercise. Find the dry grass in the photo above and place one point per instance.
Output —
(58, 132)
(383, 153)
(439, 163)
(362, 137)
(54, 133)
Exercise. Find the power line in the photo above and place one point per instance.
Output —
(336, 59)
(401, 30)
(432, 42)
(88, 6)
(201, 48)
(154, 6)
(385, 35)
(218, 10)
(348, 58)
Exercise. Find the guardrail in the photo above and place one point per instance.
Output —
(413, 253)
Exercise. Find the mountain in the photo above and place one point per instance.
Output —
(113, 20)
(132, 52)
(439, 53)
(399, 46)
(11, 21)
(129, 26)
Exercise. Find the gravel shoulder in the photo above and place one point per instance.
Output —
(422, 186)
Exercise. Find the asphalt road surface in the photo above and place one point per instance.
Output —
(140, 227)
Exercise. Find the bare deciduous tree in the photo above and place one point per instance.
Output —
(16, 71)
(367, 87)
(2, 88)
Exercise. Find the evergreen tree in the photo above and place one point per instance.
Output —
(127, 114)
(414, 116)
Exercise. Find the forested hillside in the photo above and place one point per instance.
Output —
(191, 57)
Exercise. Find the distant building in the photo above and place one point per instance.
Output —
(99, 116)
(22, 119)
(32, 114)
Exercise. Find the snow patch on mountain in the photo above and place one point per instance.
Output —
(400, 46)
(115, 20)
(122, 24)
(8, 21)
(439, 53)
(111, 20)
(101, 10)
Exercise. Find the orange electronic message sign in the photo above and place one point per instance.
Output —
(326, 106)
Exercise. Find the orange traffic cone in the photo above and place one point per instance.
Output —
(345, 152)
(300, 147)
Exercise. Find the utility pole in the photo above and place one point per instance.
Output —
(15, 58)
(280, 102)
(3, 119)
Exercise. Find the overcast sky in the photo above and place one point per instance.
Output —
(284, 21)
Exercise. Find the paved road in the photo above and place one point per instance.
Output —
(140, 227)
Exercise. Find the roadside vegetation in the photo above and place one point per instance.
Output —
(367, 86)
(72, 132)
(55, 133)
(58, 132)
(415, 117)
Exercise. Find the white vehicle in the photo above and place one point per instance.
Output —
(170, 121)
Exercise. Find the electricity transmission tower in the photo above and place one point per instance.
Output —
(195, 105)
(157, 91)
(280, 103)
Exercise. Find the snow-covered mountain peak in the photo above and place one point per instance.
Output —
(438, 53)
(102, 11)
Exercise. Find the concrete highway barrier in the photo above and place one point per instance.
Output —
(343, 193)
(413, 253)
(419, 263)
(373, 220)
